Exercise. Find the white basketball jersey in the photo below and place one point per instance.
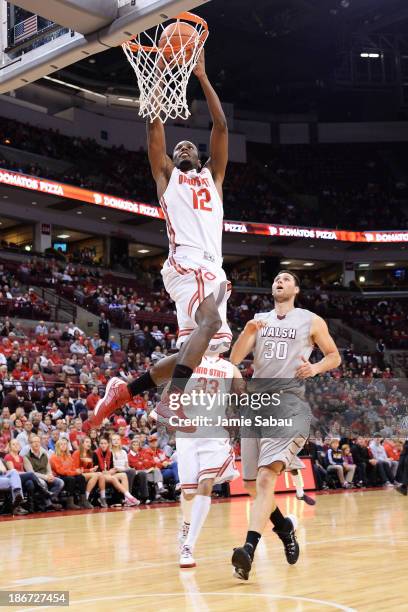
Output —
(194, 211)
(213, 376)
(213, 369)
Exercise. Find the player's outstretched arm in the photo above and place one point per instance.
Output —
(219, 133)
(160, 163)
(320, 335)
(246, 341)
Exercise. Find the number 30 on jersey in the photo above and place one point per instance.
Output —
(276, 350)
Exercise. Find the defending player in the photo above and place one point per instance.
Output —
(191, 198)
(206, 457)
(282, 342)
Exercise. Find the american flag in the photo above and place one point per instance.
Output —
(25, 28)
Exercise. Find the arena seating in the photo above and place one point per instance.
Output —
(310, 185)
(127, 301)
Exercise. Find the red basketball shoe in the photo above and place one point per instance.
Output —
(163, 413)
(116, 395)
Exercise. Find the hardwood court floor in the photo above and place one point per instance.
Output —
(354, 556)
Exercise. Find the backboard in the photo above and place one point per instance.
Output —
(33, 46)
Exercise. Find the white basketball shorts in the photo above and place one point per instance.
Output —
(201, 458)
(188, 282)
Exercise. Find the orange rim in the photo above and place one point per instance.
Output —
(186, 16)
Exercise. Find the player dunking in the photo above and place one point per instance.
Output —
(191, 198)
(282, 342)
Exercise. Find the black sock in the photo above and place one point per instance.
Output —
(181, 376)
(251, 542)
(279, 521)
(143, 383)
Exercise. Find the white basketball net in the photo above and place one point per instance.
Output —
(162, 80)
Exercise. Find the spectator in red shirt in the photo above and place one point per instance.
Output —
(25, 364)
(42, 341)
(104, 460)
(138, 402)
(93, 398)
(6, 347)
(83, 460)
(168, 467)
(32, 295)
(55, 357)
(100, 376)
(119, 420)
(142, 459)
(18, 372)
(76, 435)
(392, 448)
(159, 457)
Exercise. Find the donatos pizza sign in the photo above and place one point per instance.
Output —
(23, 181)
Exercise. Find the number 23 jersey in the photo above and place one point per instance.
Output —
(194, 211)
(281, 343)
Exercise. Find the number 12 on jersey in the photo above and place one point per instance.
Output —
(201, 199)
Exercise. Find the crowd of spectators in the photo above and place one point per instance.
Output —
(121, 304)
(359, 461)
(133, 304)
(16, 301)
(52, 375)
(52, 464)
(49, 379)
(314, 185)
(353, 404)
(384, 319)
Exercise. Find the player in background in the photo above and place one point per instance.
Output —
(191, 198)
(206, 457)
(282, 342)
(294, 467)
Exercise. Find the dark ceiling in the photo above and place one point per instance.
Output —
(274, 55)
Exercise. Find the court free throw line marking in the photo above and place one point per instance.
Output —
(33, 580)
(294, 598)
(135, 567)
(141, 565)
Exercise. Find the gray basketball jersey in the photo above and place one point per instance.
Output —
(280, 345)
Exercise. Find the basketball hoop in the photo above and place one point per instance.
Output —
(163, 62)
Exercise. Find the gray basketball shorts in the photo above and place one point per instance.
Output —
(262, 445)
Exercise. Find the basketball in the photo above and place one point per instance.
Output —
(177, 36)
